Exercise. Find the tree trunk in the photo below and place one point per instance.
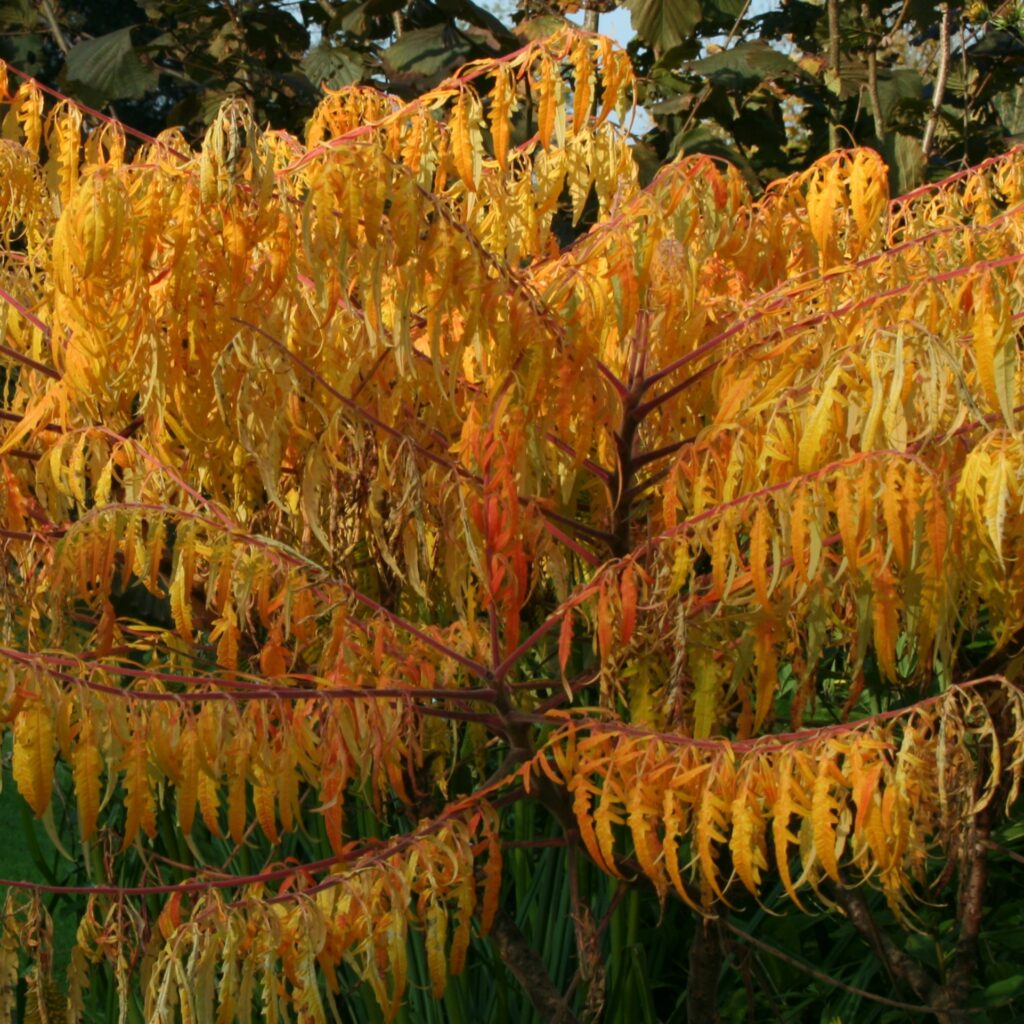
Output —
(705, 967)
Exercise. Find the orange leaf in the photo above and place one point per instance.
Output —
(628, 596)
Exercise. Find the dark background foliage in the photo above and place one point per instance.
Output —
(769, 86)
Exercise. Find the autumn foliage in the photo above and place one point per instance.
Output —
(343, 474)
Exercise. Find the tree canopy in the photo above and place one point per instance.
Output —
(449, 576)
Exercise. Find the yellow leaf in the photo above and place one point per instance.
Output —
(583, 73)
(264, 799)
(997, 495)
(608, 813)
(641, 806)
(466, 141)
(798, 533)
(565, 641)
(549, 101)
(782, 811)
(33, 756)
(87, 770)
(502, 106)
(746, 840)
(767, 671)
(825, 819)
(238, 771)
(869, 194)
(225, 631)
(437, 934)
(209, 802)
(187, 791)
(710, 830)
(813, 449)
(581, 806)
(896, 513)
(759, 555)
(721, 547)
(885, 616)
(995, 347)
(139, 804)
(824, 198)
(848, 520)
(707, 680)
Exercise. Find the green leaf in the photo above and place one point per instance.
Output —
(357, 20)
(1009, 105)
(909, 162)
(725, 9)
(899, 89)
(332, 66)
(744, 65)
(110, 67)
(1004, 990)
(663, 24)
(429, 52)
(703, 139)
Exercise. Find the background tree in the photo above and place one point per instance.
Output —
(391, 588)
(159, 64)
(771, 88)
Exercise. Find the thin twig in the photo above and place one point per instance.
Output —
(999, 848)
(819, 975)
(55, 30)
(706, 91)
(896, 25)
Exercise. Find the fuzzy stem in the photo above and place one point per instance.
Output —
(526, 966)
(971, 907)
(874, 98)
(832, 7)
(938, 94)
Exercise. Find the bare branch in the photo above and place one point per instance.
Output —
(899, 965)
(813, 972)
(526, 966)
(971, 907)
